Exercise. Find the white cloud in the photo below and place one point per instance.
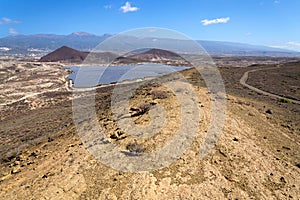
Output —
(206, 22)
(248, 33)
(277, 1)
(4, 49)
(108, 6)
(152, 30)
(128, 8)
(13, 31)
(6, 20)
(297, 44)
(288, 45)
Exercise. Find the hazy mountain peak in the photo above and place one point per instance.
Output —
(82, 34)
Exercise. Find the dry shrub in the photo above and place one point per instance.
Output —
(159, 94)
(135, 148)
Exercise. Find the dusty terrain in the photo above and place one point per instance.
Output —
(256, 157)
(23, 80)
(281, 79)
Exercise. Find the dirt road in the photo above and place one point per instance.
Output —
(244, 79)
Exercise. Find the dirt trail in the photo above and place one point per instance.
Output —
(28, 96)
(244, 79)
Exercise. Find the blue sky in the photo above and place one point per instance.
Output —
(265, 22)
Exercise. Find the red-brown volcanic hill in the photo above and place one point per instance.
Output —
(64, 54)
(69, 55)
(154, 56)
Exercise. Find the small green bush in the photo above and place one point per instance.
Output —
(10, 155)
(284, 100)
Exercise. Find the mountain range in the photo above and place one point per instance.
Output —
(42, 44)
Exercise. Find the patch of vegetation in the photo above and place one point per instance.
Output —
(10, 155)
(284, 100)
(144, 89)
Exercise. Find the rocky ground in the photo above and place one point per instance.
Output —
(256, 156)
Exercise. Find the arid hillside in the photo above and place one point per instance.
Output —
(255, 157)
